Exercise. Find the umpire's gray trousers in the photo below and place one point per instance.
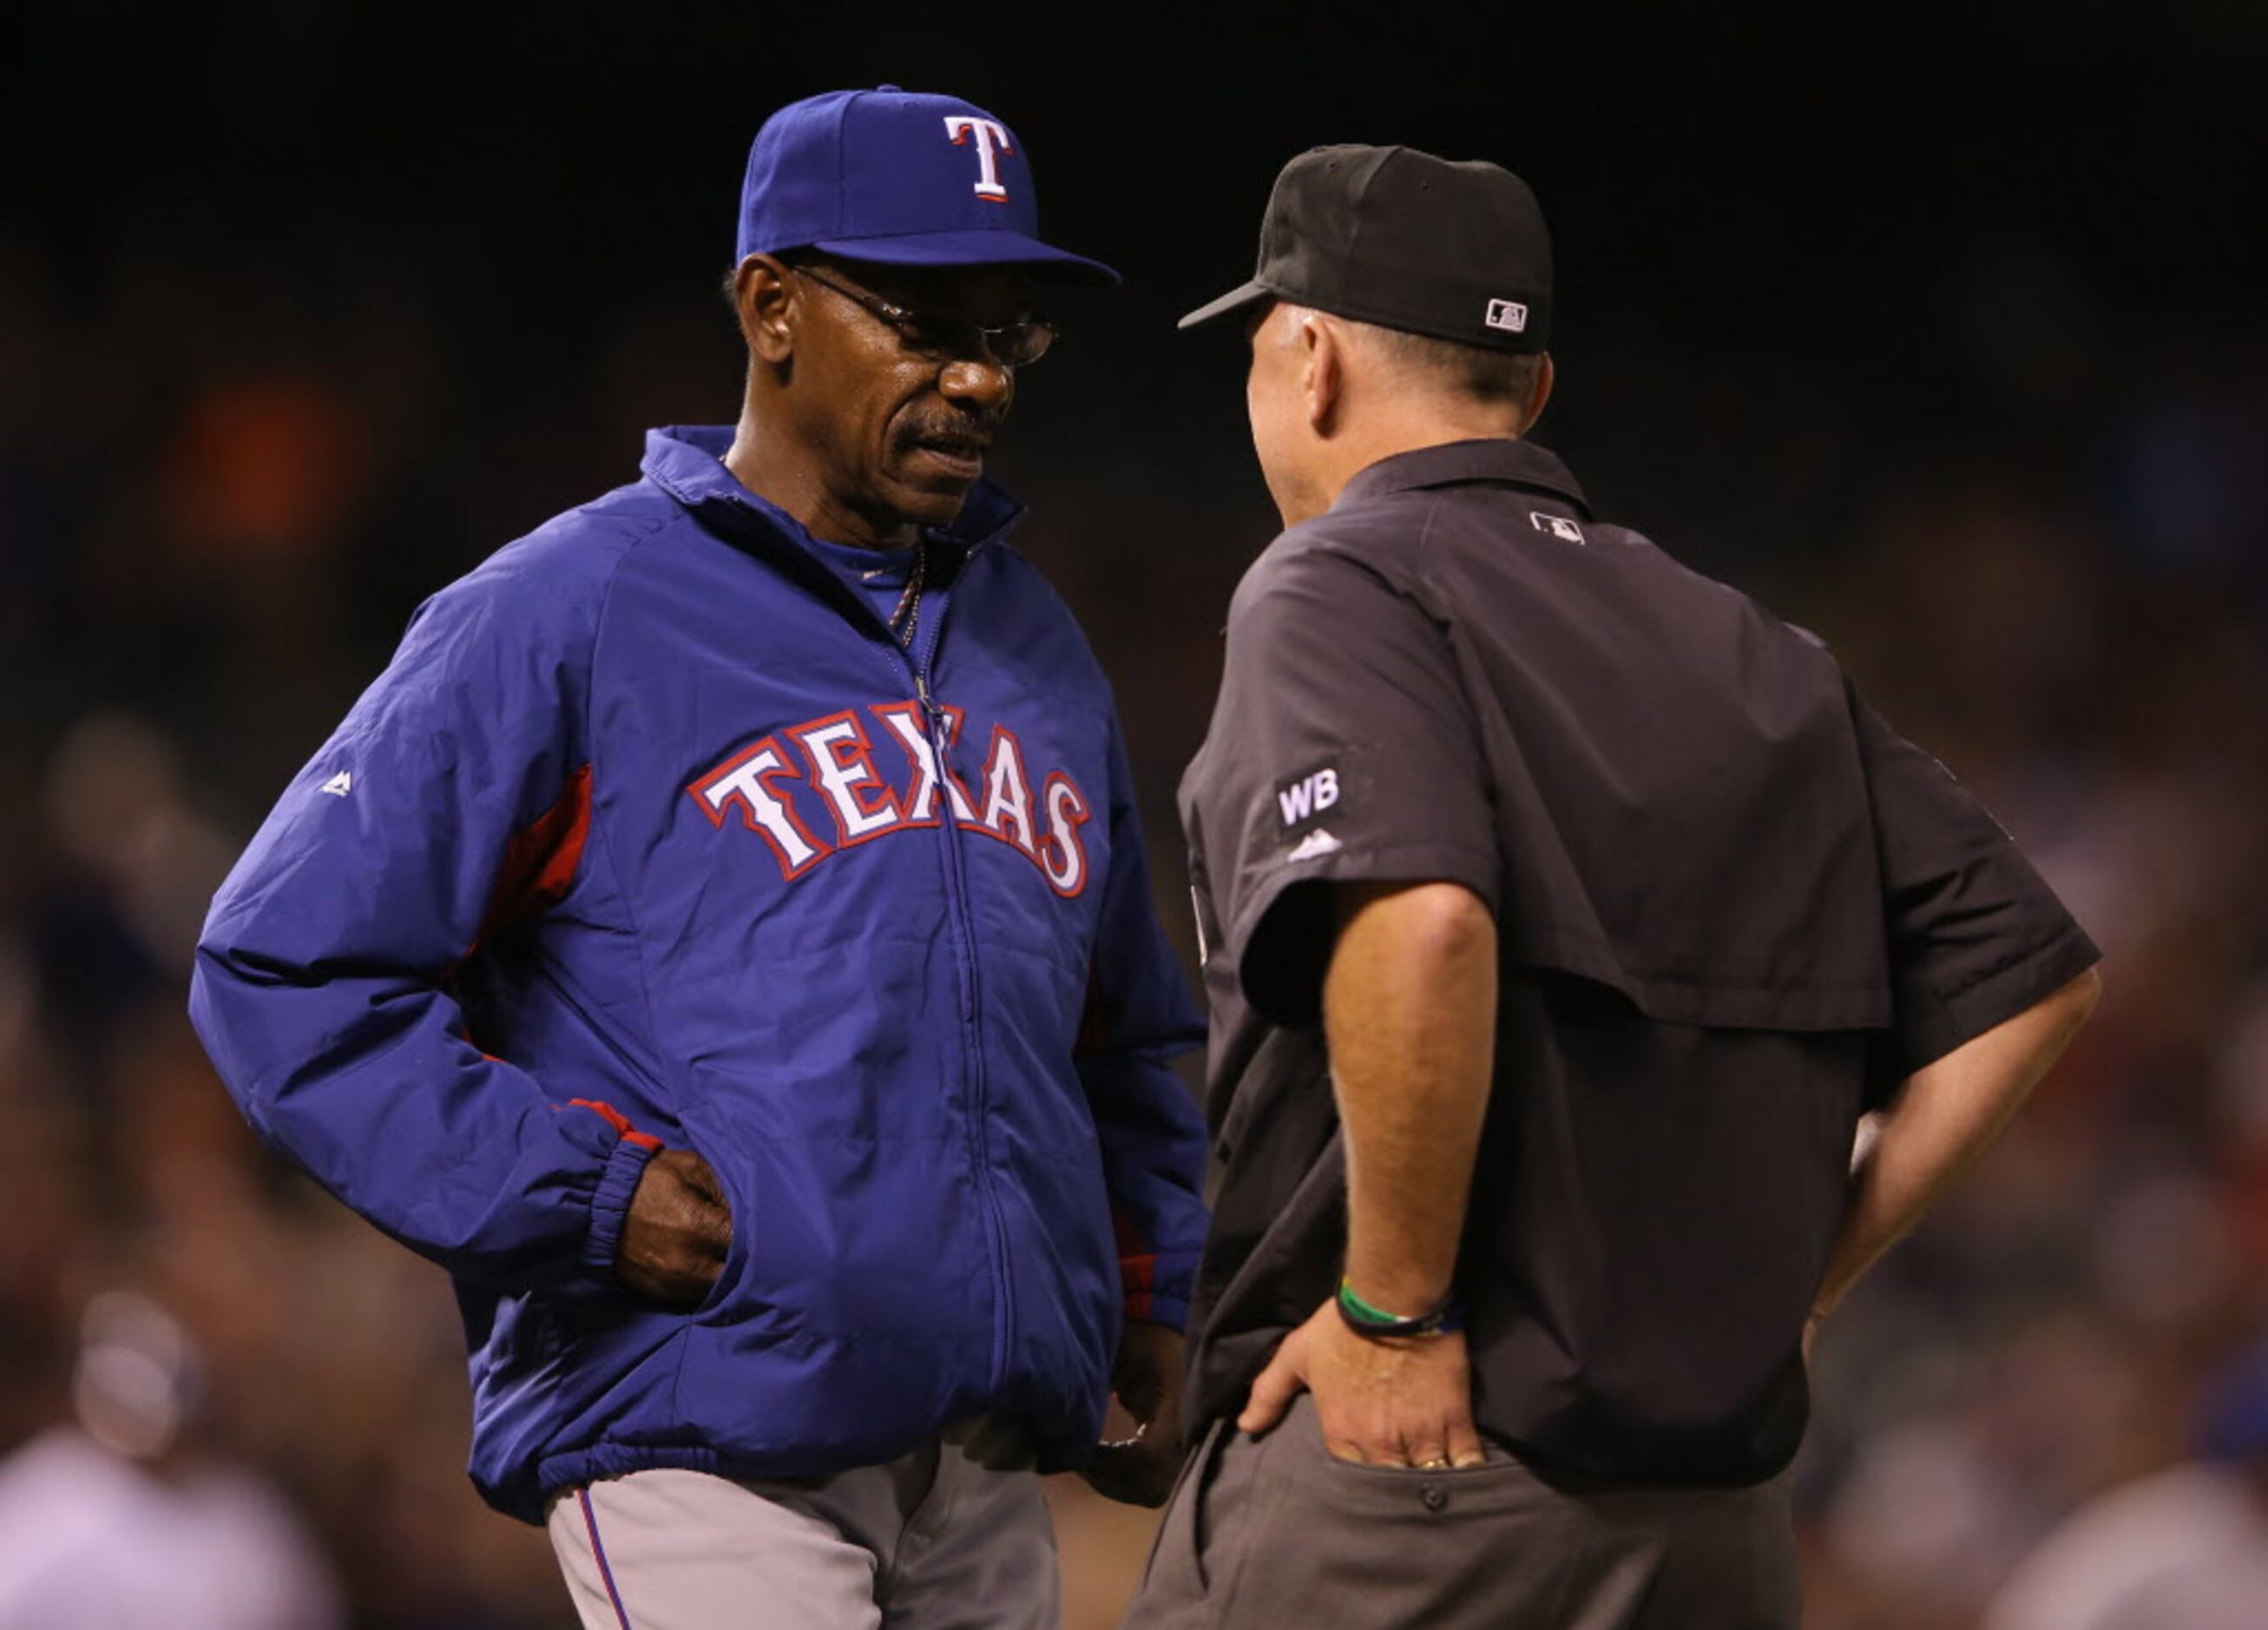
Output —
(1277, 1531)
(930, 1541)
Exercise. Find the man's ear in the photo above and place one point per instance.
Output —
(766, 301)
(1323, 373)
(1539, 394)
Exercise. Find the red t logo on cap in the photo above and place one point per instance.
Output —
(992, 138)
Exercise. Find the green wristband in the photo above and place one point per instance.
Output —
(1366, 1320)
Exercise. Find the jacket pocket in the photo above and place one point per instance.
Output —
(733, 1177)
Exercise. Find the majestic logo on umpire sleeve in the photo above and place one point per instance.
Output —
(992, 141)
(833, 758)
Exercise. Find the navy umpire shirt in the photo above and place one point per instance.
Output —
(1735, 909)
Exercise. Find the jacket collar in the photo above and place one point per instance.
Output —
(688, 462)
(1451, 463)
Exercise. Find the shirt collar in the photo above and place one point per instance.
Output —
(1451, 463)
(688, 462)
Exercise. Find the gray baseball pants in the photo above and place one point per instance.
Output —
(930, 1542)
(1275, 1531)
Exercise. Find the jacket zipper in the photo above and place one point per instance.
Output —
(965, 933)
(917, 665)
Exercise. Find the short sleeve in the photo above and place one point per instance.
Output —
(1976, 936)
(1343, 747)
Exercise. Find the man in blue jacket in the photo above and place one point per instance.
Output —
(722, 939)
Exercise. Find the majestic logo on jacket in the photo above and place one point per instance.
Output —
(833, 758)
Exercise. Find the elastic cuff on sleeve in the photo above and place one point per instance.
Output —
(610, 1206)
(1158, 1287)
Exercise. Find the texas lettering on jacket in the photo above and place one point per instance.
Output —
(834, 757)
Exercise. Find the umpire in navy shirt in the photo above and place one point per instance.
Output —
(1564, 912)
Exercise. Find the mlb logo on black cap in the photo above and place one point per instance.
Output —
(1403, 240)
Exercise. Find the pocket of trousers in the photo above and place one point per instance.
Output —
(1175, 1569)
(1501, 1464)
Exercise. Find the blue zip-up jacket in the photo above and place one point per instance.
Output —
(652, 835)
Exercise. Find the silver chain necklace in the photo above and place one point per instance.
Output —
(907, 617)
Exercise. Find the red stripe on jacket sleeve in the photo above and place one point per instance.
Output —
(616, 1119)
(540, 861)
(1138, 1266)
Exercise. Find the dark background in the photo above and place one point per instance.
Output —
(1938, 328)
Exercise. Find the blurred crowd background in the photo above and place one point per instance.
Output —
(1942, 335)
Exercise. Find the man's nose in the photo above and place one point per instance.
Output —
(985, 383)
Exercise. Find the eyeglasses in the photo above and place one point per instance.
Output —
(1016, 344)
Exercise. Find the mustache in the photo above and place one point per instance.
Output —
(967, 436)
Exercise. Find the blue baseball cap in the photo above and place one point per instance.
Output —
(900, 178)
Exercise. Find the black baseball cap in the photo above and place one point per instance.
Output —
(1399, 238)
